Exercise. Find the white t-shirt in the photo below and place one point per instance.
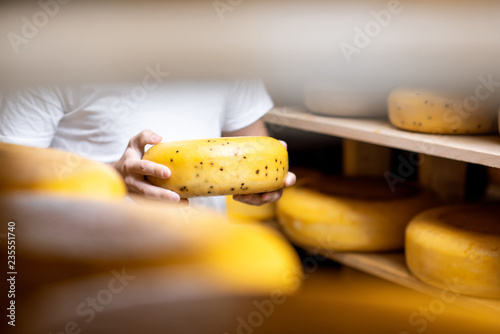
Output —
(98, 121)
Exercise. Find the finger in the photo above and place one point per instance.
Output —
(290, 180)
(149, 168)
(140, 199)
(150, 191)
(272, 196)
(184, 202)
(259, 199)
(251, 199)
(143, 138)
(284, 143)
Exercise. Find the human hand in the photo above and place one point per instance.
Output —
(263, 198)
(133, 169)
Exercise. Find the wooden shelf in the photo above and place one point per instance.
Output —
(392, 267)
(484, 150)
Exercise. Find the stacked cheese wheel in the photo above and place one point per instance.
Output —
(457, 246)
(152, 258)
(51, 171)
(74, 220)
(428, 111)
(77, 233)
(266, 212)
(350, 214)
(221, 166)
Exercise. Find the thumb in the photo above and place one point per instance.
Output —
(143, 138)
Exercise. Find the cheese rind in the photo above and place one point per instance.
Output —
(221, 166)
(459, 245)
(353, 214)
(47, 170)
(89, 236)
(266, 212)
(421, 110)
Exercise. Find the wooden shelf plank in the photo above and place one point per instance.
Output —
(392, 267)
(484, 150)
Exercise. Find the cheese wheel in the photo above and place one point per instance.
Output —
(51, 171)
(66, 236)
(426, 111)
(266, 212)
(350, 213)
(457, 245)
(221, 166)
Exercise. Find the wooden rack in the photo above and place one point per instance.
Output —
(483, 150)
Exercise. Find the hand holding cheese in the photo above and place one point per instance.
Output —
(222, 166)
(133, 168)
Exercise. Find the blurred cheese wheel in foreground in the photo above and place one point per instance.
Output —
(459, 244)
(221, 166)
(51, 171)
(427, 111)
(70, 236)
(350, 213)
(238, 210)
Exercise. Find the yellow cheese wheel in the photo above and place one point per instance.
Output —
(221, 166)
(350, 213)
(46, 170)
(427, 111)
(457, 245)
(266, 212)
(63, 237)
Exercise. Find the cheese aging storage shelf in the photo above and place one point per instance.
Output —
(484, 150)
(392, 267)
(478, 149)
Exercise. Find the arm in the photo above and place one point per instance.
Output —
(258, 129)
(255, 129)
